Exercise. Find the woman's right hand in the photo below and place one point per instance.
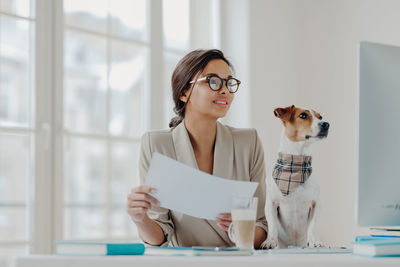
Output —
(139, 202)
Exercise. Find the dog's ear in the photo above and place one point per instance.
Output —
(284, 114)
(317, 115)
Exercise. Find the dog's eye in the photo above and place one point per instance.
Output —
(320, 117)
(303, 115)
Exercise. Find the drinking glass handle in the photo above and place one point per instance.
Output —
(231, 233)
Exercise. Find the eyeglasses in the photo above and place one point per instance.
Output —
(215, 83)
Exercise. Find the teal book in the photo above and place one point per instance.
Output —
(377, 248)
(98, 248)
(373, 237)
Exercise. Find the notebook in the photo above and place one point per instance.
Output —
(378, 248)
(76, 248)
(196, 251)
(361, 238)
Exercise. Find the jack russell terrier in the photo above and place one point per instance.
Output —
(292, 191)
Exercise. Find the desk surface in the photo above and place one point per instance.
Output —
(281, 260)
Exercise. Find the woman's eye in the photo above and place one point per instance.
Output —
(303, 115)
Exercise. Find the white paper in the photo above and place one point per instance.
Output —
(193, 192)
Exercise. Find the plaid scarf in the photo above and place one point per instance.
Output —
(290, 171)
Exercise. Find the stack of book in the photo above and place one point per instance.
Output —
(377, 246)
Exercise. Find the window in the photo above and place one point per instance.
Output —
(70, 126)
(17, 125)
(106, 52)
(187, 25)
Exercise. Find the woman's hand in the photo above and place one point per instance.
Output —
(224, 220)
(139, 202)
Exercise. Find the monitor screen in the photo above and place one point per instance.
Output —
(378, 135)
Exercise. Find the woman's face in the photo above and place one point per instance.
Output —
(203, 100)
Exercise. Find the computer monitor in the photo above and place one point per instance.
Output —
(379, 136)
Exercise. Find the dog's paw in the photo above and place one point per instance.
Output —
(270, 243)
(315, 244)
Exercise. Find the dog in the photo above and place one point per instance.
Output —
(292, 204)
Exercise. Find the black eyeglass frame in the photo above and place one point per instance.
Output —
(208, 78)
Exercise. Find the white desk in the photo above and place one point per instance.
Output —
(281, 260)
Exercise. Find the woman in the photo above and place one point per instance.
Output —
(203, 90)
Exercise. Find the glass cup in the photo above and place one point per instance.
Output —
(241, 230)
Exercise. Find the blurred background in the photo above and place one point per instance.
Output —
(81, 80)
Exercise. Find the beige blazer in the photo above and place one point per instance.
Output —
(238, 155)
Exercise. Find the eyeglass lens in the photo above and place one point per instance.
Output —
(216, 84)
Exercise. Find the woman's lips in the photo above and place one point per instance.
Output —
(221, 103)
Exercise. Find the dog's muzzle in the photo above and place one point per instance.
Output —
(324, 129)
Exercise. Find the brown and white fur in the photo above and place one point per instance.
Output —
(291, 219)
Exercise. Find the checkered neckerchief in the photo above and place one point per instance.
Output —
(290, 171)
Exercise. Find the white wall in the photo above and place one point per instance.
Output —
(304, 52)
(234, 38)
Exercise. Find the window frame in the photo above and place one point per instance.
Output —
(64, 135)
(151, 91)
(32, 132)
(47, 201)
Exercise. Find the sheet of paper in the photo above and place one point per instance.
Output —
(193, 192)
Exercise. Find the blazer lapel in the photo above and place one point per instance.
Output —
(223, 153)
(223, 161)
(183, 146)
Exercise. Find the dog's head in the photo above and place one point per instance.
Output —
(302, 124)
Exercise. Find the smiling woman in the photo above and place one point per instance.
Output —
(203, 90)
(201, 69)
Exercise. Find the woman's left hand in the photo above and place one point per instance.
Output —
(224, 220)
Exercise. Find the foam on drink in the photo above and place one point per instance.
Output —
(243, 214)
(244, 226)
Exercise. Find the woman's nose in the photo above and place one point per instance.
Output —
(224, 90)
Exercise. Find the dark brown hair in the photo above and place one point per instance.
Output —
(186, 69)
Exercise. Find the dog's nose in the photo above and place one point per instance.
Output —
(324, 125)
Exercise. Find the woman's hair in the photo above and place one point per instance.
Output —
(185, 71)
